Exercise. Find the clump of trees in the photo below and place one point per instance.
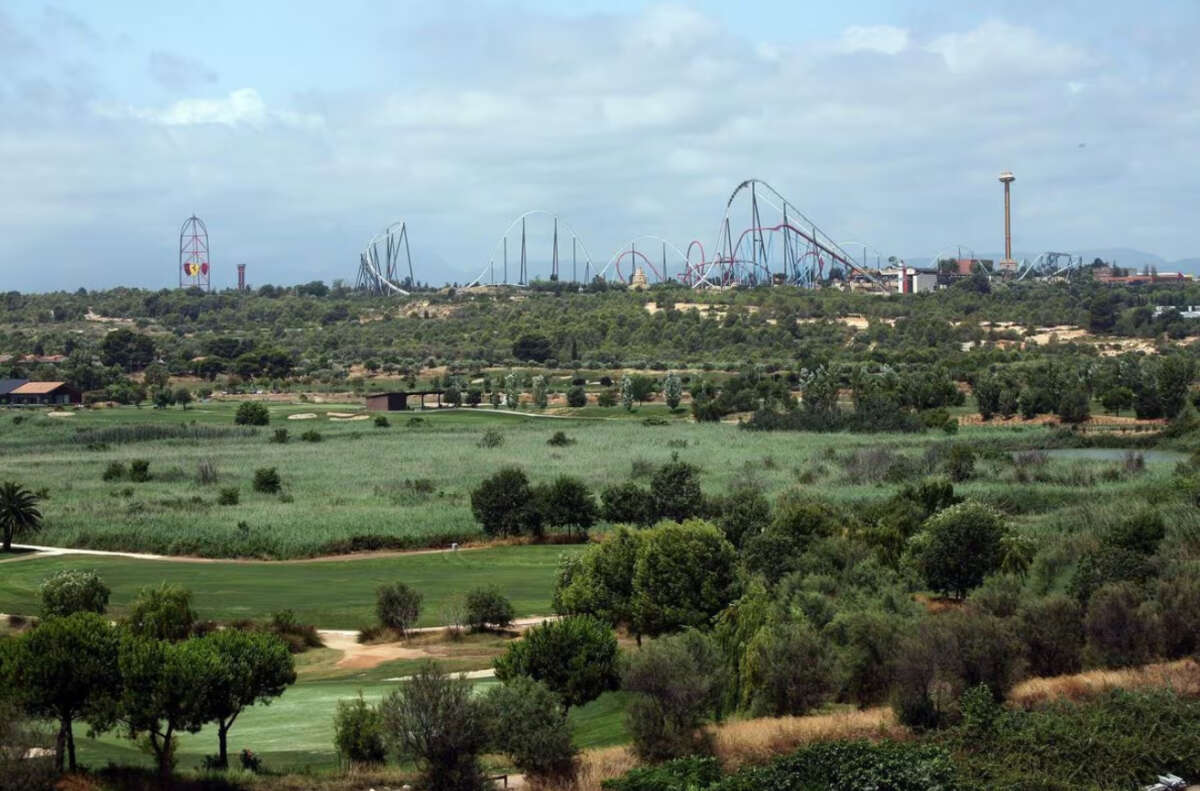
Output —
(506, 504)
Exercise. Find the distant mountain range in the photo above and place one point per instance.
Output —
(1121, 256)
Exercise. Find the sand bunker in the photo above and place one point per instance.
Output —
(348, 419)
(302, 416)
(341, 414)
(60, 414)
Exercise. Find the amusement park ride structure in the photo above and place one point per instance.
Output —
(195, 269)
(762, 239)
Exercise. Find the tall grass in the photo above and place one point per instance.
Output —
(149, 432)
(1182, 676)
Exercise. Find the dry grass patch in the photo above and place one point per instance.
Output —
(596, 766)
(759, 740)
(1182, 676)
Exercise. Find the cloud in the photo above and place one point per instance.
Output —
(243, 107)
(176, 72)
(884, 39)
(996, 46)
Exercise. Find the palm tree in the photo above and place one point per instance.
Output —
(18, 512)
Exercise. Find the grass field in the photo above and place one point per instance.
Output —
(330, 594)
(355, 489)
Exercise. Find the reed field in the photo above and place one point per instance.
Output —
(408, 485)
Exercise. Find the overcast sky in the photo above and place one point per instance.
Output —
(297, 130)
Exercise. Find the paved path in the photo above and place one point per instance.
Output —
(36, 551)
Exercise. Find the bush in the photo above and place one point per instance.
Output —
(73, 590)
(228, 495)
(960, 465)
(529, 724)
(681, 774)
(895, 766)
(162, 613)
(488, 608)
(358, 732)
(575, 657)
(381, 421)
(606, 398)
(266, 480)
(252, 413)
(280, 436)
(139, 470)
(115, 471)
(576, 397)
(788, 670)
(1052, 630)
(676, 687)
(206, 472)
(1121, 629)
(437, 721)
(560, 440)
(312, 435)
(491, 439)
(397, 606)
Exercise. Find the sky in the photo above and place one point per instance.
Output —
(298, 130)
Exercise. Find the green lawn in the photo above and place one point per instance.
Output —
(331, 594)
(296, 730)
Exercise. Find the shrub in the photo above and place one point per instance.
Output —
(73, 590)
(1052, 630)
(576, 397)
(895, 766)
(488, 608)
(206, 472)
(560, 440)
(358, 732)
(1121, 629)
(606, 398)
(115, 471)
(139, 470)
(280, 436)
(162, 613)
(228, 495)
(1140, 532)
(529, 724)
(676, 688)
(266, 480)
(312, 435)
(960, 465)
(491, 439)
(438, 722)
(999, 595)
(381, 421)
(681, 774)
(397, 606)
(788, 669)
(252, 413)
(575, 657)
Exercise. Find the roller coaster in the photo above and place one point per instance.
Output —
(762, 239)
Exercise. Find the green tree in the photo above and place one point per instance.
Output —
(641, 388)
(676, 683)
(626, 388)
(19, 513)
(576, 397)
(672, 390)
(73, 590)
(539, 393)
(532, 348)
(958, 547)
(1116, 399)
(627, 504)
(252, 413)
(567, 502)
(168, 689)
(257, 667)
(437, 722)
(675, 491)
(162, 613)
(1174, 379)
(529, 724)
(397, 606)
(66, 670)
(575, 657)
(1051, 628)
(789, 669)
(796, 523)
(156, 376)
(600, 581)
(128, 350)
(1122, 628)
(505, 505)
(683, 576)
(183, 397)
(512, 391)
